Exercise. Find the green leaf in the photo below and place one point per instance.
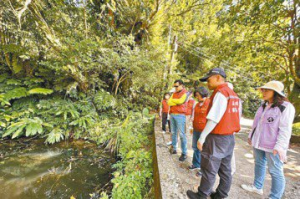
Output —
(18, 132)
(43, 91)
(15, 93)
(13, 82)
(55, 135)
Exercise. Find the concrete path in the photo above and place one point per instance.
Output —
(176, 179)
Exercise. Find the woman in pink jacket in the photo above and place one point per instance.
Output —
(270, 138)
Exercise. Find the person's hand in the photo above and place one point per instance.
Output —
(191, 131)
(249, 141)
(280, 153)
(199, 146)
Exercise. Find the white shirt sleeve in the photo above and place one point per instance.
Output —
(215, 115)
(218, 108)
(285, 128)
(210, 125)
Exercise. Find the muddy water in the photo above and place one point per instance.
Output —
(30, 169)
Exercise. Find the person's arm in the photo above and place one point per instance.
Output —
(170, 103)
(193, 111)
(209, 127)
(168, 117)
(285, 129)
(174, 102)
(215, 115)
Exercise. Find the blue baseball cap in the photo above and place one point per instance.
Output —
(214, 71)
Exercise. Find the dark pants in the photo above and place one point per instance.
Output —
(216, 159)
(164, 121)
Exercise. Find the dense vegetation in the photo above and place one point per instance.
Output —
(87, 69)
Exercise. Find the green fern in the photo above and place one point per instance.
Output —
(13, 82)
(103, 100)
(67, 110)
(32, 127)
(83, 122)
(43, 91)
(3, 101)
(56, 135)
(4, 77)
(15, 93)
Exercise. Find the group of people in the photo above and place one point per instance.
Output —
(215, 119)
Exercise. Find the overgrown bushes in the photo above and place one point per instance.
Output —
(133, 177)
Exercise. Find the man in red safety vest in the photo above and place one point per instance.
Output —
(216, 142)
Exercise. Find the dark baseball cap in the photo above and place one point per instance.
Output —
(214, 71)
(202, 91)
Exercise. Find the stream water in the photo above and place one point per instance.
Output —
(31, 169)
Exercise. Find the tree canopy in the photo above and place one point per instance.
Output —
(133, 50)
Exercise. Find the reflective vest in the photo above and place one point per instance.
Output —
(200, 113)
(190, 105)
(165, 106)
(179, 109)
(230, 122)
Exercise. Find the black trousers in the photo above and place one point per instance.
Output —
(165, 121)
(216, 159)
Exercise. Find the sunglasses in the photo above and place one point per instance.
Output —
(176, 86)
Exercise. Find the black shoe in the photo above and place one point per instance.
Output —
(215, 195)
(182, 158)
(193, 195)
(192, 167)
(173, 152)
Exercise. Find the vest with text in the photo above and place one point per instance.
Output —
(230, 122)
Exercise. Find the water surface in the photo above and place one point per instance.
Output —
(30, 169)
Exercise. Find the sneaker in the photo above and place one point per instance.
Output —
(192, 167)
(252, 188)
(193, 195)
(182, 157)
(169, 143)
(199, 174)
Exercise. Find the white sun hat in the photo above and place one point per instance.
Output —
(276, 86)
